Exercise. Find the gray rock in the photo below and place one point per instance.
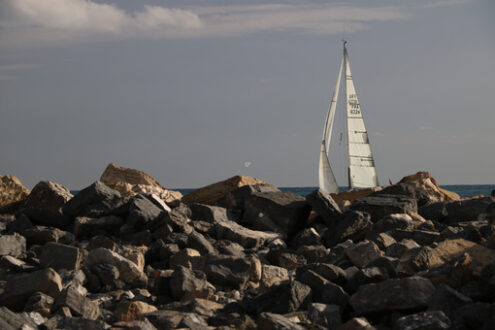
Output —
(40, 303)
(134, 325)
(330, 272)
(234, 200)
(208, 213)
(383, 205)
(59, 256)
(48, 195)
(229, 248)
(308, 236)
(273, 275)
(20, 287)
(48, 217)
(12, 245)
(78, 304)
(142, 211)
(97, 200)
(271, 321)
(13, 321)
(363, 253)
(42, 235)
(79, 323)
(431, 320)
(352, 225)
(323, 204)
(447, 300)
(323, 290)
(108, 274)
(422, 237)
(197, 241)
(393, 294)
(397, 249)
(187, 284)
(228, 271)
(88, 227)
(283, 298)
(453, 212)
(249, 239)
(327, 316)
(20, 223)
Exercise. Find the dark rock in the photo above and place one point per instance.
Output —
(282, 212)
(142, 211)
(134, 325)
(447, 300)
(434, 320)
(188, 284)
(20, 287)
(327, 316)
(79, 323)
(234, 200)
(249, 239)
(19, 224)
(352, 225)
(208, 213)
(273, 275)
(58, 256)
(165, 319)
(387, 263)
(422, 237)
(228, 271)
(477, 315)
(194, 322)
(366, 276)
(12, 245)
(363, 253)
(97, 200)
(283, 298)
(397, 249)
(383, 240)
(314, 253)
(396, 221)
(107, 273)
(383, 205)
(229, 248)
(285, 258)
(13, 321)
(178, 220)
(188, 258)
(323, 204)
(87, 227)
(453, 212)
(40, 303)
(323, 290)
(48, 217)
(330, 272)
(42, 235)
(197, 241)
(78, 304)
(271, 321)
(16, 265)
(308, 236)
(48, 195)
(393, 294)
(357, 323)
(102, 241)
(423, 196)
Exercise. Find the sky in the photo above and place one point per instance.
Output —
(194, 92)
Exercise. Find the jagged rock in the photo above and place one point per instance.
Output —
(142, 211)
(323, 204)
(282, 212)
(387, 263)
(228, 271)
(197, 241)
(363, 253)
(249, 239)
(468, 209)
(283, 298)
(97, 200)
(48, 195)
(87, 227)
(271, 321)
(382, 240)
(352, 225)
(214, 192)
(12, 245)
(367, 275)
(273, 275)
(380, 206)
(20, 287)
(78, 304)
(59, 256)
(323, 290)
(129, 271)
(132, 310)
(327, 316)
(130, 182)
(19, 224)
(314, 253)
(357, 323)
(12, 193)
(187, 284)
(424, 320)
(393, 294)
(40, 303)
(285, 258)
(13, 321)
(167, 319)
(42, 235)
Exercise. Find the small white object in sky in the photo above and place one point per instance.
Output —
(247, 164)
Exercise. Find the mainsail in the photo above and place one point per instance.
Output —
(361, 170)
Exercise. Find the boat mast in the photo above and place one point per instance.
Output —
(346, 76)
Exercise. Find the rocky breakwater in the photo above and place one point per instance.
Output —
(403, 257)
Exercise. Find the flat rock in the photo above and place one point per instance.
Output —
(43, 234)
(380, 206)
(249, 239)
(228, 271)
(12, 245)
(393, 294)
(208, 213)
(323, 204)
(273, 275)
(48, 195)
(48, 217)
(468, 209)
(88, 227)
(323, 290)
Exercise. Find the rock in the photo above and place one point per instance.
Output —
(20, 287)
(382, 240)
(468, 209)
(228, 271)
(78, 304)
(208, 213)
(188, 258)
(352, 225)
(273, 275)
(97, 200)
(142, 211)
(323, 290)
(283, 298)
(283, 212)
(48, 195)
(271, 321)
(165, 319)
(42, 235)
(380, 206)
(187, 284)
(134, 325)
(60, 256)
(447, 300)
(397, 249)
(88, 227)
(424, 320)
(327, 316)
(130, 182)
(477, 315)
(79, 323)
(363, 253)
(132, 310)
(422, 237)
(393, 294)
(396, 221)
(39, 303)
(367, 275)
(47, 217)
(197, 241)
(323, 204)
(249, 239)
(129, 271)
(12, 245)
(13, 321)
(305, 237)
(12, 193)
(357, 323)
(285, 258)
(214, 192)
(330, 272)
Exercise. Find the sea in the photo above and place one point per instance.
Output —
(462, 190)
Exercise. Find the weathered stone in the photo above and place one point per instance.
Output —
(271, 321)
(367, 275)
(79, 323)
(12, 193)
(79, 305)
(283, 212)
(382, 205)
(107, 274)
(273, 275)
(13, 321)
(363, 253)
(42, 235)
(97, 200)
(59, 256)
(382, 240)
(422, 237)
(193, 321)
(330, 272)
(396, 221)
(40, 303)
(142, 211)
(134, 325)
(12, 245)
(352, 195)
(228, 271)
(327, 316)
(477, 315)
(229, 248)
(323, 290)
(357, 323)
(447, 300)
(323, 204)
(87, 227)
(132, 310)
(47, 217)
(452, 212)
(283, 298)
(129, 271)
(197, 241)
(424, 320)
(48, 195)
(20, 287)
(352, 225)
(130, 182)
(393, 294)
(165, 319)
(187, 284)
(20, 223)
(249, 239)
(305, 237)
(208, 213)
(188, 258)
(397, 249)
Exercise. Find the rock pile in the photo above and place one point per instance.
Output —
(403, 257)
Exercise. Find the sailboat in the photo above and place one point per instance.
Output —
(361, 169)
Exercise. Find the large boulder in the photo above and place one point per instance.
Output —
(12, 193)
(380, 206)
(130, 182)
(60, 256)
(468, 209)
(94, 201)
(78, 304)
(214, 192)
(249, 239)
(351, 225)
(48, 195)
(283, 298)
(12, 245)
(323, 204)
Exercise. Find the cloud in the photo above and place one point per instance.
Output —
(30, 22)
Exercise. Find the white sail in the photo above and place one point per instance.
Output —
(362, 172)
(325, 175)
